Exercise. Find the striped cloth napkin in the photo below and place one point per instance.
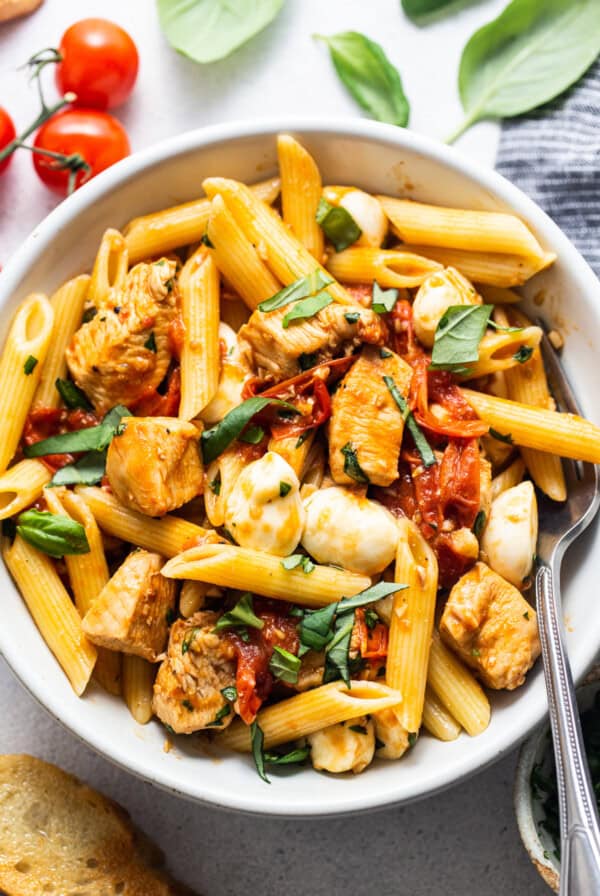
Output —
(553, 155)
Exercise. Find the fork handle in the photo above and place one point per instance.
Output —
(580, 830)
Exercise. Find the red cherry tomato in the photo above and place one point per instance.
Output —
(94, 135)
(99, 63)
(7, 135)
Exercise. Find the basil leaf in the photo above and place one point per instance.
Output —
(291, 758)
(30, 365)
(215, 484)
(421, 444)
(96, 438)
(88, 470)
(523, 354)
(221, 714)
(214, 441)
(315, 628)
(207, 30)
(300, 289)
(284, 489)
(412, 738)
(352, 317)
(72, 395)
(295, 560)
(230, 693)
(306, 361)
(479, 524)
(188, 638)
(51, 533)
(307, 308)
(257, 739)
(242, 614)
(253, 435)
(369, 76)
(527, 56)
(150, 342)
(284, 665)
(417, 8)
(368, 596)
(383, 299)
(458, 335)
(336, 656)
(89, 314)
(501, 437)
(337, 224)
(352, 468)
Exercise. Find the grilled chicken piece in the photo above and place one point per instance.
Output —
(124, 350)
(365, 417)
(154, 465)
(199, 664)
(488, 622)
(130, 613)
(347, 746)
(269, 349)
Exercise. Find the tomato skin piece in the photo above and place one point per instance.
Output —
(96, 136)
(7, 135)
(99, 63)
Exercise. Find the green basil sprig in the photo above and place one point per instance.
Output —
(299, 289)
(53, 534)
(457, 336)
(369, 76)
(241, 615)
(262, 757)
(207, 30)
(352, 468)
(418, 8)
(527, 56)
(284, 665)
(95, 438)
(421, 444)
(383, 300)
(337, 224)
(307, 308)
(72, 395)
(88, 470)
(214, 441)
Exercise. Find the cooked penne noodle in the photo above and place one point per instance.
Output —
(301, 189)
(488, 268)
(180, 225)
(498, 295)
(564, 434)
(166, 536)
(246, 570)
(500, 351)
(200, 352)
(457, 689)
(53, 612)
(21, 364)
(457, 228)
(284, 254)
(411, 622)
(437, 720)
(388, 267)
(138, 682)
(512, 475)
(312, 711)
(295, 454)
(67, 304)
(237, 258)
(21, 485)
(110, 267)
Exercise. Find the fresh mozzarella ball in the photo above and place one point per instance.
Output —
(258, 514)
(390, 732)
(510, 536)
(369, 215)
(346, 747)
(349, 530)
(231, 382)
(436, 294)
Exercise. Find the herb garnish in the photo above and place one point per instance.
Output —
(72, 395)
(215, 484)
(189, 636)
(523, 354)
(421, 444)
(220, 715)
(352, 468)
(230, 693)
(352, 316)
(383, 299)
(284, 665)
(300, 289)
(257, 739)
(53, 534)
(479, 524)
(253, 435)
(150, 342)
(214, 441)
(30, 365)
(307, 308)
(337, 224)
(284, 489)
(501, 437)
(241, 615)
(457, 336)
(301, 560)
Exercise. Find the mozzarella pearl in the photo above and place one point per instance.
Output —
(348, 746)
(510, 537)
(369, 215)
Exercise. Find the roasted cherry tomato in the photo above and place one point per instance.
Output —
(95, 136)
(99, 63)
(7, 135)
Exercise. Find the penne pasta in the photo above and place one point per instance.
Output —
(437, 720)
(230, 566)
(296, 455)
(301, 189)
(200, 352)
(501, 351)
(138, 681)
(509, 477)
(487, 268)
(67, 304)
(411, 622)
(22, 360)
(21, 485)
(388, 267)
(221, 477)
(53, 612)
(180, 225)
(110, 268)
(498, 295)
(312, 711)
(456, 688)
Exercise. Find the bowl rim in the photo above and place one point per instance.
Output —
(43, 235)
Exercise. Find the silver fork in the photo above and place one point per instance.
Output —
(560, 524)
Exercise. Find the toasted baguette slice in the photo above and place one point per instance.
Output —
(61, 838)
(12, 9)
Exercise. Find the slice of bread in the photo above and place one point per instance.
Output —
(59, 837)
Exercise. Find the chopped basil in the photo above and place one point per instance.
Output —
(291, 758)
(369, 596)
(526, 614)
(421, 444)
(284, 489)
(359, 729)
(300, 289)
(88, 470)
(188, 639)
(53, 534)
(257, 739)
(479, 524)
(337, 224)
(412, 738)
(253, 435)
(352, 468)
(89, 314)
(523, 354)
(95, 438)
(72, 396)
(214, 441)
(501, 437)
(352, 317)
(221, 714)
(302, 438)
(298, 612)
(30, 365)
(215, 484)
(284, 665)
(150, 342)
(230, 693)
(475, 651)
(295, 560)
(458, 335)
(241, 615)
(315, 629)
(337, 660)
(306, 361)
(169, 729)
(384, 353)
(371, 619)
(187, 705)
(492, 323)
(383, 299)
(206, 241)
(307, 308)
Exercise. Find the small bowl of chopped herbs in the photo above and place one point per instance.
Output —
(536, 795)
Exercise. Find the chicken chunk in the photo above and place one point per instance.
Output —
(347, 746)
(154, 464)
(492, 628)
(200, 663)
(366, 420)
(124, 349)
(130, 613)
(392, 736)
(269, 349)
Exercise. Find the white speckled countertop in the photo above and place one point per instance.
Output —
(463, 841)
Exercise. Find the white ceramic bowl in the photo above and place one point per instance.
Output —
(379, 158)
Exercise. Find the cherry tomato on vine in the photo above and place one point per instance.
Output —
(99, 63)
(7, 135)
(96, 136)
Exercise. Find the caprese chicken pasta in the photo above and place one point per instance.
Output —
(270, 471)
